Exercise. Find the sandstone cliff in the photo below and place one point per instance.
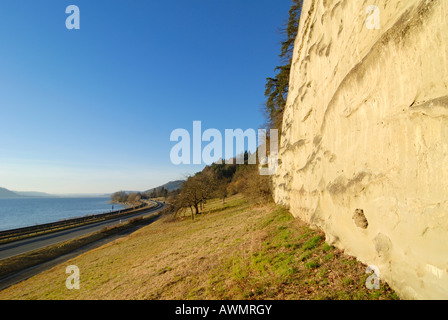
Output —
(364, 149)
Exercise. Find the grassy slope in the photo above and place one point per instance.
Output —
(235, 251)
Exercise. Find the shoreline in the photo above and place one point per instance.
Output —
(34, 262)
(17, 216)
(38, 229)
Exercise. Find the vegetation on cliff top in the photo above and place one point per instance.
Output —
(277, 87)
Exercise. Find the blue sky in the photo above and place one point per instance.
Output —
(92, 110)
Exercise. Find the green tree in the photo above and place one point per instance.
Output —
(164, 192)
(277, 87)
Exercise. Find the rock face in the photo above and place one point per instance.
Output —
(364, 148)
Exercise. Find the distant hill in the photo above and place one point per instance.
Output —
(32, 194)
(5, 193)
(170, 186)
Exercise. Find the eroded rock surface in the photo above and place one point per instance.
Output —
(366, 126)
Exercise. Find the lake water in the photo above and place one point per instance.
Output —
(24, 212)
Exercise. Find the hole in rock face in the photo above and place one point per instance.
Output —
(360, 219)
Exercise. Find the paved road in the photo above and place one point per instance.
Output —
(12, 249)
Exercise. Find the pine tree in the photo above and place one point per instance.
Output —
(277, 88)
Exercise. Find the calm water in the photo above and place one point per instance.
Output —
(24, 212)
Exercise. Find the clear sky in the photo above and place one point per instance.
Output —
(92, 110)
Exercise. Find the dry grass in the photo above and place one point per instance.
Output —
(33, 258)
(234, 251)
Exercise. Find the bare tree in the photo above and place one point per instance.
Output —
(196, 191)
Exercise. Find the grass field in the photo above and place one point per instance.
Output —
(231, 251)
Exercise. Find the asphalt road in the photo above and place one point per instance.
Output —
(15, 248)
